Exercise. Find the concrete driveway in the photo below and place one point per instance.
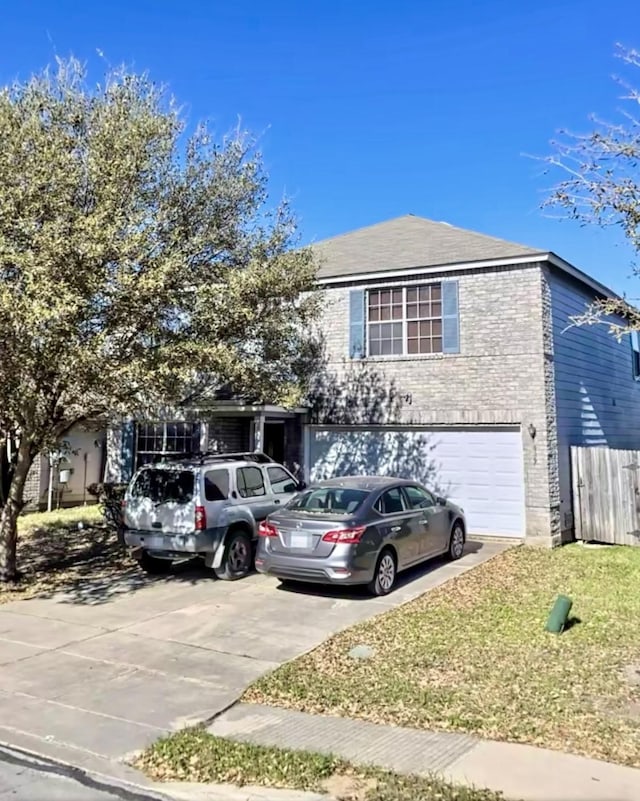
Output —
(105, 671)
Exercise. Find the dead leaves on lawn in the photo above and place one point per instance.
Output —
(472, 655)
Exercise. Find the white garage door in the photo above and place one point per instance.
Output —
(479, 469)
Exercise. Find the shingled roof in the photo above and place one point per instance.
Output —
(406, 242)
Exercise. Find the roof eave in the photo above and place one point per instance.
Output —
(407, 272)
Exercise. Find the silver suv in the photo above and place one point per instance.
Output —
(207, 506)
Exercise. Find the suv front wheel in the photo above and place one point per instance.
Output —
(237, 558)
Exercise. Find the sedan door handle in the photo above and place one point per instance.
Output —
(425, 520)
(276, 502)
(396, 528)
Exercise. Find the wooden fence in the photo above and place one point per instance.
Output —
(606, 495)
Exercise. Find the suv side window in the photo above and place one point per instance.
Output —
(281, 481)
(250, 482)
(390, 502)
(216, 485)
(419, 498)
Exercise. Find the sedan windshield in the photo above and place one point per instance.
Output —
(328, 500)
(163, 486)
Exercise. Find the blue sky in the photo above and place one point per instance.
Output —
(367, 111)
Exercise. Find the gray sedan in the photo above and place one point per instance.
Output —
(359, 530)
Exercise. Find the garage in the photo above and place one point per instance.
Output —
(481, 469)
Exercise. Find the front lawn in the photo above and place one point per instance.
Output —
(193, 755)
(473, 656)
(56, 550)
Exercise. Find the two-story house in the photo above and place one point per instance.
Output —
(493, 381)
(451, 357)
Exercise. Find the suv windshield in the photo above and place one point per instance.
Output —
(329, 500)
(163, 486)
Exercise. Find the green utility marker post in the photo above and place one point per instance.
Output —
(559, 614)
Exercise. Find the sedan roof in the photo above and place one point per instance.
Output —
(363, 482)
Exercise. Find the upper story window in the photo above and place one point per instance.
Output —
(635, 354)
(404, 321)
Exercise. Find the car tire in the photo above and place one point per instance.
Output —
(457, 540)
(384, 577)
(237, 558)
(154, 566)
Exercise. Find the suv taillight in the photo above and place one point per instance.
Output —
(201, 518)
(267, 530)
(346, 535)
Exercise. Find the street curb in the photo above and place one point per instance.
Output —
(132, 791)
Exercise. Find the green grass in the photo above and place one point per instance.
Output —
(58, 550)
(473, 656)
(194, 755)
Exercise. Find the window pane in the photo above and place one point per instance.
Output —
(436, 309)
(397, 296)
(250, 482)
(281, 482)
(397, 347)
(412, 295)
(425, 293)
(164, 486)
(374, 314)
(385, 313)
(424, 310)
(329, 501)
(412, 329)
(412, 311)
(426, 346)
(396, 330)
(419, 498)
(397, 313)
(436, 327)
(425, 329)
(385, 297)
(386, 331)
(385, 347)
(216, 485)
(391, 502)
(374, 347)
(436, 292)
(413, 346)
(374, 332)
(374, 298)
(437, 344)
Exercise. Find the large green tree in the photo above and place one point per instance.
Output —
(600, 185)
(139, 267)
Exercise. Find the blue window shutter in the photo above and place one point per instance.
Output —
(356, 324)
(450, 318)
(128, 436)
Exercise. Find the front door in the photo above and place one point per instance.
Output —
(431, 519)
(274, 439)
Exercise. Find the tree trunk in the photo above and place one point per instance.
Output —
(10, 513)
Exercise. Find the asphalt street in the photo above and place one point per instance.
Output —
(26, 778)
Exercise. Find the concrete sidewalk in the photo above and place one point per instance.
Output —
(519, 771)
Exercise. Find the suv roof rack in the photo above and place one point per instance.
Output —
(208, 457)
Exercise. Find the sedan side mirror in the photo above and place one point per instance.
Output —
(302, 485)
(441, 501)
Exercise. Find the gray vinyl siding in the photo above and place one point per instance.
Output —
(597, 398)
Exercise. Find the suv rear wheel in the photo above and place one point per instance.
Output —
(238, 556)
(153, 565)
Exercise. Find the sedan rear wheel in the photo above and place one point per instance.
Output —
(385, 575)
